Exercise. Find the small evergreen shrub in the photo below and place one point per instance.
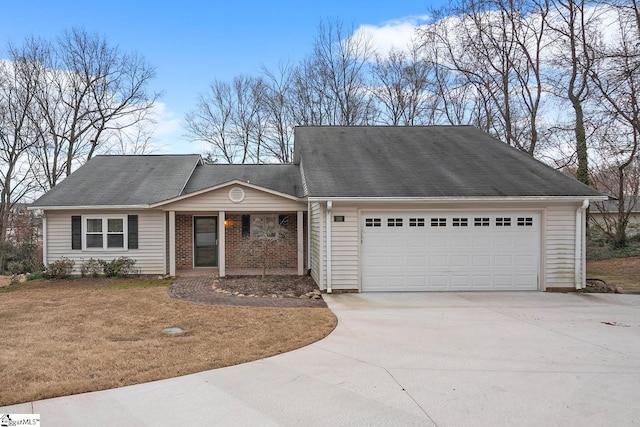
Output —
(60, 269)
(119, 267)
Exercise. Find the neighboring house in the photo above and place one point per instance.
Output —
(441, 208)
(607, 210)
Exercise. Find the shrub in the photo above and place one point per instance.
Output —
(91, 267)
(60, 269)
(16, 267)
(119, 267)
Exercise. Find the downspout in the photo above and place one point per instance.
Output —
(308, 236)
(580, 255)
(328, 231)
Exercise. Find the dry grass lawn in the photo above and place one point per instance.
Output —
(62, 338)
(623, 272)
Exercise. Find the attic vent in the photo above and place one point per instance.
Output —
(236, 194)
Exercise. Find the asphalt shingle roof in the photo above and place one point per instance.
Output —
(282, 178)
(422, 161)
(123, 180)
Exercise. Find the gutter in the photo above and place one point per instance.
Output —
(580, 252)
(328, 231)
(91, 207)
(446, 199)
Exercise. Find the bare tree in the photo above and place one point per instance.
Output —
(616, 76)
(402, 85)
(330, 85)
(87, 92)
(17, 136)
(266, 236)
(491, 50)
(277, 104)
(211, 121)
(230, 118)
(574, 25)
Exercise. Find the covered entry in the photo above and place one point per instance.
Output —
(450, 251)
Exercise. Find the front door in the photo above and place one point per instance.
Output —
(205, 239)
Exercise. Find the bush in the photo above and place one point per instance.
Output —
(91, 267)
(60, 269)
(21, 258)
(120, 267)
(16, 267)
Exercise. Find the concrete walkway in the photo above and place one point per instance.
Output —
(455, 359)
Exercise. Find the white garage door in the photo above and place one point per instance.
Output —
(452, 251)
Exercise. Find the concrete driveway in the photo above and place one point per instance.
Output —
(454, 359)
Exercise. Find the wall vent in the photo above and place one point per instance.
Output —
(236, 194)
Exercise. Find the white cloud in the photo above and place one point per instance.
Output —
(396, 33)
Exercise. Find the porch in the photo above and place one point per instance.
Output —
(221, 241)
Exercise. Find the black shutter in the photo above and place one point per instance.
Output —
(76, 232)
(246, 226)
(132, 229)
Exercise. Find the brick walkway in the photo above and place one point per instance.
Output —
(196, 286)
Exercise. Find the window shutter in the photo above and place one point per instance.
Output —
(132, 229)
(246, 226)
(76, 232)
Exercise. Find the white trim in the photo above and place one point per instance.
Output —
(172, 243)
(222, 232)
(300, 227)
(446, 199)
(580, 248)
(105, 232)
(328, 221)
(44, 240)
(84, 207)
(223, 185)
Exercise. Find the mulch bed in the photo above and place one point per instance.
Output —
(249, 291)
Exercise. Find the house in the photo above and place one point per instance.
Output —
(438, 208)
(605, 214)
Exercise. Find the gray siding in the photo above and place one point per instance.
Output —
(150, 255)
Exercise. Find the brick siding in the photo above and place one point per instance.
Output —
(184, 241)
(283, 255)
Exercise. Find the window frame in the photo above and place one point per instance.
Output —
(268, 217)
(105, 232)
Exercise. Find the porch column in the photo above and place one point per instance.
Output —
(300, 243)
(221, 250)
(172, 243)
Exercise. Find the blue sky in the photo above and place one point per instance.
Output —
(191, 43)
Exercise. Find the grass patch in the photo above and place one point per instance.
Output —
(80, 335)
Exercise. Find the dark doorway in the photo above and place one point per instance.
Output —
(205, 239)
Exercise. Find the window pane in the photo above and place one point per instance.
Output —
(115, 225)
(115, 241)
(94, 225)
(94, 240)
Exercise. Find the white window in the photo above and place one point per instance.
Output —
(105, 232)
(460, 222)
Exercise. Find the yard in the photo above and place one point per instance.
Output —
(623, 272)
(67, 337)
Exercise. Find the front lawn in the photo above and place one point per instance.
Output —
(75, 336)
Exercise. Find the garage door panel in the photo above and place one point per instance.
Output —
(503, 261)
(459, 260)
(450, 252)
